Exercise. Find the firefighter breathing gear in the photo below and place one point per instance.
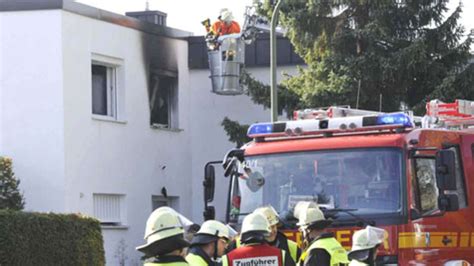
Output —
(270, 213)
(365, 243)
(164, 233)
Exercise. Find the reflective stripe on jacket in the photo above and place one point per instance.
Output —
(167, 261)
(289, 246)
(255, 255)
(195, 260)
(330, 245)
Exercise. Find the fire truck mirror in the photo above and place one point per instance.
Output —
(445, 170)
(209, 183)
(446, 180)
(448, 202)
(209, 213)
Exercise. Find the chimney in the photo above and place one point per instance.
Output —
(150, 16)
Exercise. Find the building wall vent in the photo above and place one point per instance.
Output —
(150, 16)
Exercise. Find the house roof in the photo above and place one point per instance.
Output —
(92, 12)
(257, 54)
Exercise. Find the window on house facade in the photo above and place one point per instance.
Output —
(107, 86)
(161, 201)
(104, 91)
(109, 209)
(163, 93)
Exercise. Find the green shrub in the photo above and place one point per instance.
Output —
(10, 196)
(49, 239)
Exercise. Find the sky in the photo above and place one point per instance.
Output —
(182, 14)
(188, 14)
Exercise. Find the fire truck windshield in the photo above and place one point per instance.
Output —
(367, 180)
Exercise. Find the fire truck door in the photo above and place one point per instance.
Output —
(436, 237)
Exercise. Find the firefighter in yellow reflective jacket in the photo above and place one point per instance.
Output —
(208, 244)
(364, 246)
(276, 238)
(322, 248)
(164, 236)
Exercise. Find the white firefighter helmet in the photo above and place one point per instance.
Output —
(226, 15)
(312, 218)
(255, 222)
(364, 240)
(163, 224)
(302, 206)
(270, 213)
(210, 231)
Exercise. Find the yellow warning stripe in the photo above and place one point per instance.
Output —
(433, 239)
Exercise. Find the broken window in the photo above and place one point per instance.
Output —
(427, 187)
(163, 101)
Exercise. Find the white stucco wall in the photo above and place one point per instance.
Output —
(209, 139)
(127, 157)
(32, 111)
(63, 155)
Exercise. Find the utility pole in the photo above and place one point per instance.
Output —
(273, 63)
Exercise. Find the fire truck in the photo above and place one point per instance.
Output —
(412, 176)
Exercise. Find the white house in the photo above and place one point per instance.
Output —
(110, 116)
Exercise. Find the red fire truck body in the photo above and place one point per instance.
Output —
(422, 240)
(416, 183)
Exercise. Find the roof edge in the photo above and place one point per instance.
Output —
(94, 13)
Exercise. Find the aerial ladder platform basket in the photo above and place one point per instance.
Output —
(225, 63)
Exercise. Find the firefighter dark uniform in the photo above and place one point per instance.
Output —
(164, 236)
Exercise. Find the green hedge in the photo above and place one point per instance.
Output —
(49, 239)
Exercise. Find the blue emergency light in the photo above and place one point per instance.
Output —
(394, 119)
(332, 124)
(260, 128)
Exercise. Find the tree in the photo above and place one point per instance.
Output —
(358, 51)
(406, 51)
(10, 196)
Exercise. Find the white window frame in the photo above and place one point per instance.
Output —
(114, 91)
(115, 220)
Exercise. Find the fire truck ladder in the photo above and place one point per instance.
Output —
(457, 115)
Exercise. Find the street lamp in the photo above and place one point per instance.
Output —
(273, 64)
